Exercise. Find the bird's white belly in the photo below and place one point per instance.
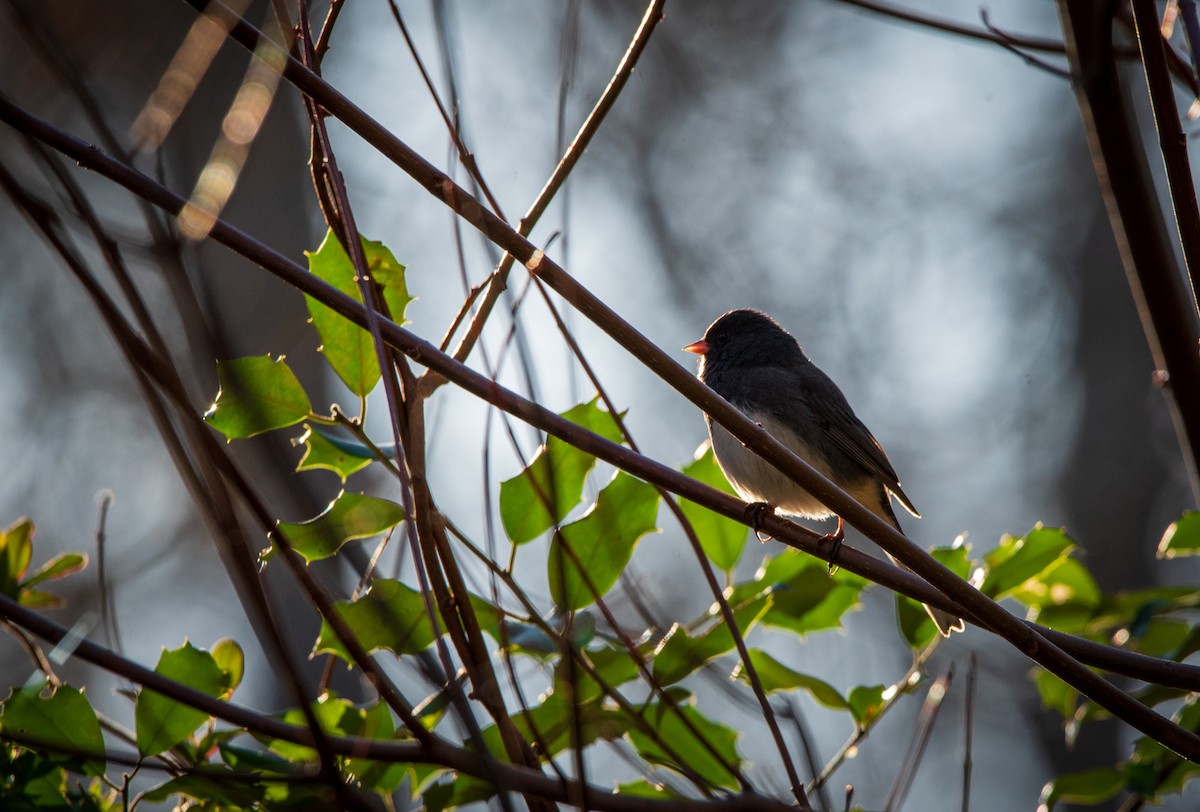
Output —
(756, 480)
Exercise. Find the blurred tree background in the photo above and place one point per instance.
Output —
(919, 208)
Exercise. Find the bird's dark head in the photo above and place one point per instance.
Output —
(746, 338)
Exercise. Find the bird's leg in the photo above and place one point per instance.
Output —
(756, 513)
(834, 540)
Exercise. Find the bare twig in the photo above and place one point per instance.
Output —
(929, 712)
(108, 615)
(969, 732)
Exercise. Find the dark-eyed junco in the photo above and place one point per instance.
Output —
(752, 362)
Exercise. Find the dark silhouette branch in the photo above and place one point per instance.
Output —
(1165, 305)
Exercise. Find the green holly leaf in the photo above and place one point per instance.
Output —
(775, 676)
(349, 348)
(319, 452)
(1182, 536)
(16, 551)
(230, 658)
(390, 615)
(916, 626)
(161, 722)
(349, 516)
(257, 394)
(680, 653)
(588, 555)
(722, 538)
(1089, 787)
(59, 719)
(553, 722)
(683, 740)
(460, 790)
(865, 703)
(642, 788)
(804, 596)
(545, 492)
(1016, 560)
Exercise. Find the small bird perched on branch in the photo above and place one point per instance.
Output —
(756, 365)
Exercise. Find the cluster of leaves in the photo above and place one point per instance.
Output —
(1156, 622)
(53, 731)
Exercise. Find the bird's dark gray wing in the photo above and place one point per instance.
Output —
(812, 403)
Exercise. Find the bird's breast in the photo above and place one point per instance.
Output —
(756, 480)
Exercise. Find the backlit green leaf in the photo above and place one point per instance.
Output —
(1182, 536)
(60, 719)
(775, 676)
(349, 516)
(546, 491)
(348, 347)
(225, 787)
(588, 555)
(1088, 787)
(338, 717)
(686, 745)
(644, 789)
(613, 664)
(390, 615)
(319, 452)
(60, 566)
(161, 722)
(723, 539)
(257, 394)
(1063, 597)
(554, 721)
(1016, 561)
(1056, 694)
(865, 702)
(804, 596)
(16, 551)
(457, 791)
(230, 658)
(916, 626)
(681, 653)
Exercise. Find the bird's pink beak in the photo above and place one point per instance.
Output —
(699, 347)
